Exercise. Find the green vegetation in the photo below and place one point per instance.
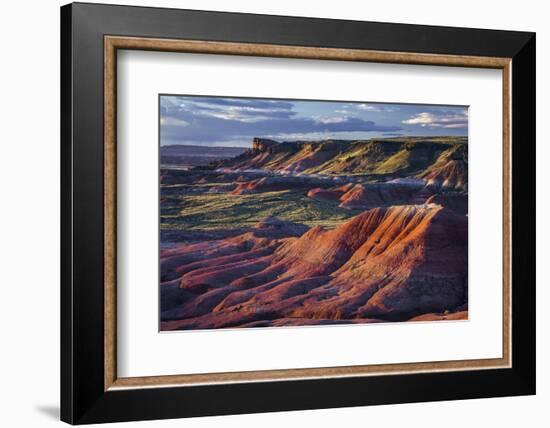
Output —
(397, 162)
(401, 156)
(193, 207)
(209, 211)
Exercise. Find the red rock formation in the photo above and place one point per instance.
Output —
(246, 187)
(184, 254)
(367, 196)
(333, 194)
(401, 157)
(263, 144)
(385, 264)
(311, 155)
(372, 195)
(457, 202)
(286, 157)
(453, 174)
(403, 265)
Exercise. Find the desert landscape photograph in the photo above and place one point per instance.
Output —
(283, 212)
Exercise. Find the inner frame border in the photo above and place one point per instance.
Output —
(113, 43)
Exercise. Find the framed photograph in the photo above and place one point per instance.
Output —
(266, 213)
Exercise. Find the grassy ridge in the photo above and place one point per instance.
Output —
(209, 211)
(390, 156)
(400, 156)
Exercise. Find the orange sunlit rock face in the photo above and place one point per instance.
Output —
(392, 264)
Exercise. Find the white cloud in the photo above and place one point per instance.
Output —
(376, 107)
(173, 121)
(368, 107)
(438, 120)
(241, 113)
(329, 119)
(230, 115)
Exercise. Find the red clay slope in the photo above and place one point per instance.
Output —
(372, 195)
(453, 174)
(385, 264)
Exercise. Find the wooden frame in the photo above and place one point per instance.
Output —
(515, 63)
(113, 43)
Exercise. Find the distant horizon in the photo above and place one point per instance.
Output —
(313, 141)
(209, 121)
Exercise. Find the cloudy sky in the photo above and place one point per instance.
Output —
(223, 121)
